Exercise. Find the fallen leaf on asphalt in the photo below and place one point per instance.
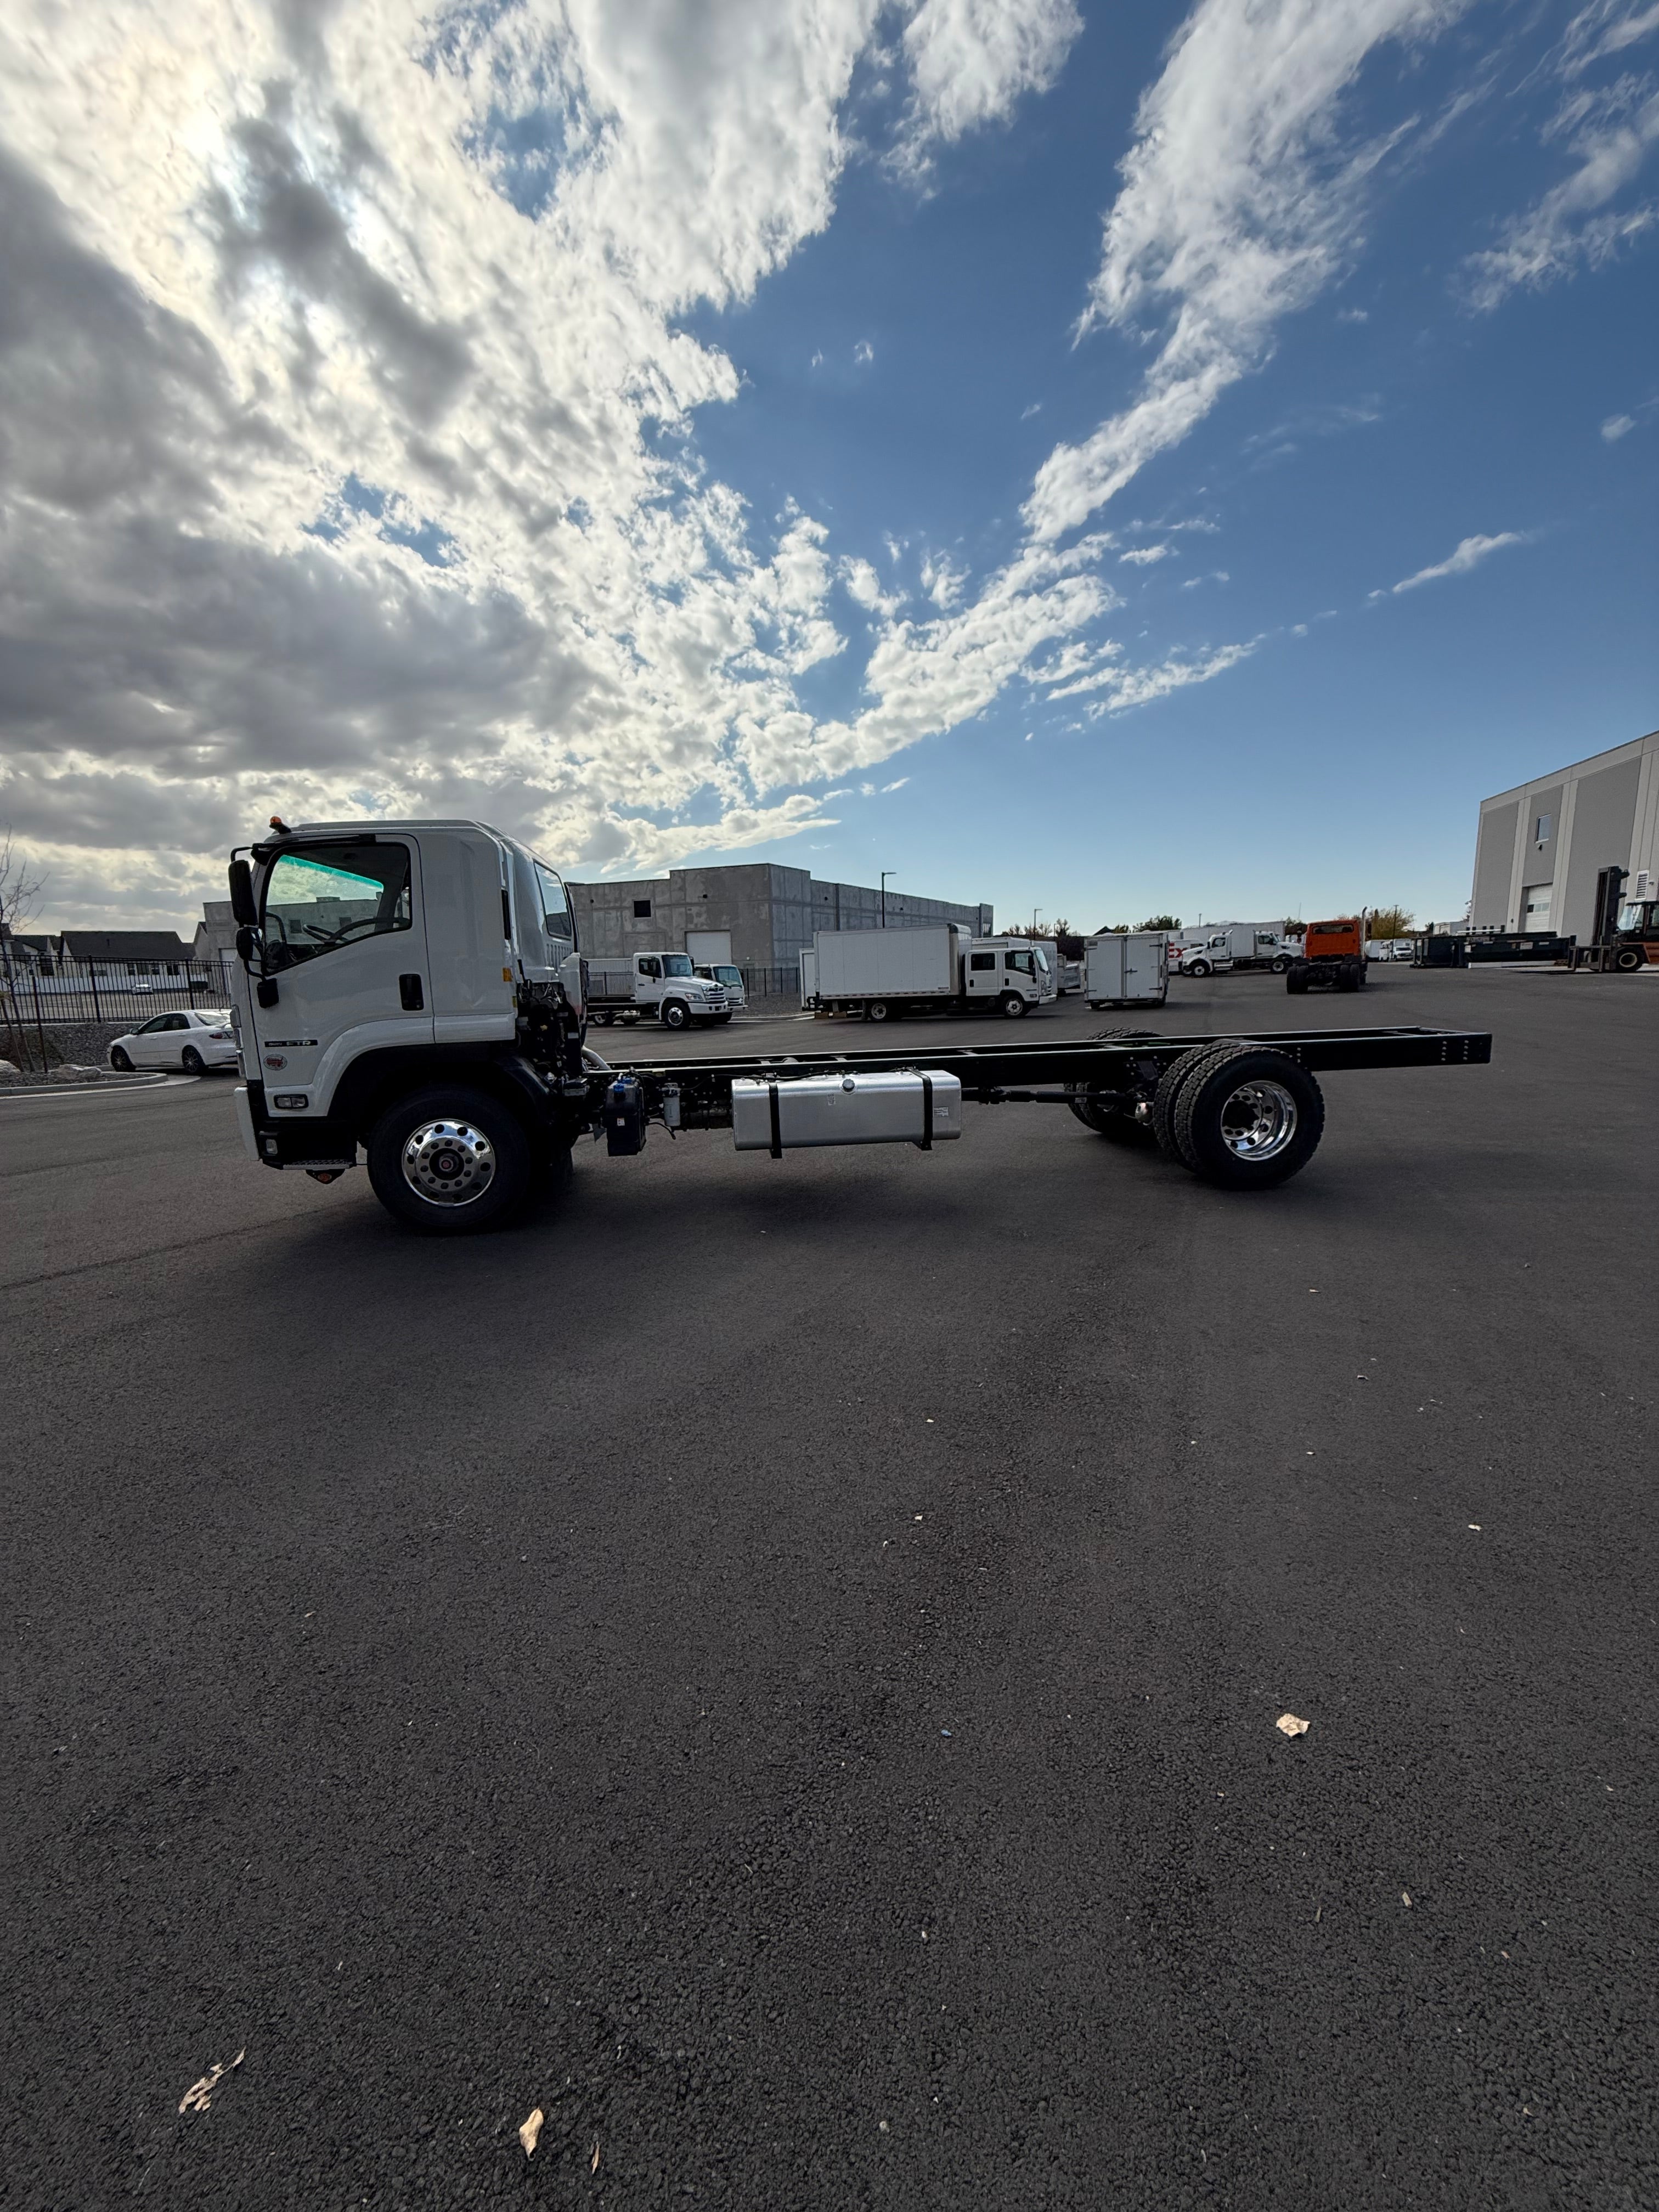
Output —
(531, 2131)
(594, 2162)
(1405, 1897)
(1288, 1724)
(198, 2096)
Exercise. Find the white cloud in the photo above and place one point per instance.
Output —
(864, 351)
(897, 784)
(1144, 556)
(942, 580)
(345, 415)
(1617, 427)
(971, 60)
(1612, 133)
(1239, 204)
(1470, 552)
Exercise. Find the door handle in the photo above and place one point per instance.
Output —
(410, 990)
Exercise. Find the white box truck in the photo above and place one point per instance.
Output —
(1127, 969)
(877, 972)
(409, 996)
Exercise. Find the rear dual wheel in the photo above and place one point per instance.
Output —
(1242, 1117)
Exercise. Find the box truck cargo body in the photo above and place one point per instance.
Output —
(1127, 969)
(878, 972)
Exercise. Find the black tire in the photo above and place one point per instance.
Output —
(721, 1019)
(192, 1061)
(120, 1060)
(489, 1136)
(1629, 959)
(1295, 984)
(1281, 967)
(1170, 1085)
(878, 1010)
(1196, 968)
(1011, 1006)
(1248, 1119)
(674, 1014)
(602, 1016)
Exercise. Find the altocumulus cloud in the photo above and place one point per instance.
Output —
(343, 443)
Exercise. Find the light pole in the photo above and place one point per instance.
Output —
(884, 874)
(1035, 912)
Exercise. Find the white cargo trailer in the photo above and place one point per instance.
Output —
(878, 972)
(1127, 969)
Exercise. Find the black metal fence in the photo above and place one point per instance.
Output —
(98, 991)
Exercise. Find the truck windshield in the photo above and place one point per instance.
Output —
(1636, 916)
(1042, 958)
(677, 963)
(727, 976)
(328, 896)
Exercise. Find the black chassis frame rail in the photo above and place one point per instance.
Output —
(991, 1074)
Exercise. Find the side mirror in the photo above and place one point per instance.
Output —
(242, 905)
(248, 946)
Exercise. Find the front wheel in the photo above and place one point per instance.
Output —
(1197, 967)
(449, 1161)
(1281, 967)
(1013, 1007)
(1629, 959)
(120, 1060)
(673, 1014)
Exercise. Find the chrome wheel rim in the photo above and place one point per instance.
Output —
(448, 1163)
(1258, 1121)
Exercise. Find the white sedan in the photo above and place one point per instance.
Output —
(195, 1042)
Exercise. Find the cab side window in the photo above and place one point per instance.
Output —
(558, 919)
(650, 966)
(327, 895)
(980, 962)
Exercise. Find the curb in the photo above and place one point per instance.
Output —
(84, 1090)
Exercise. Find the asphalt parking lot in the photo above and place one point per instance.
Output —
(777, 1664)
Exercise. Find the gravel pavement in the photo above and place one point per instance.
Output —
(777, 1664)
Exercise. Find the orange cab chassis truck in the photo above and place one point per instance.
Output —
(1333, 958)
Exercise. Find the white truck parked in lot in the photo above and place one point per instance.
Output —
(415, 989)
(938, 968)
(1228, 946)
(633, 984)
(1126, 968)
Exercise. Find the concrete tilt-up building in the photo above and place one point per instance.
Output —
(1542, 844)
(771, 913)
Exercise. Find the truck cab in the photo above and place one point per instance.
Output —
(1333, 956)
(630, 985)
(730, 978)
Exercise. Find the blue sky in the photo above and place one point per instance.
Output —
(1096, 460)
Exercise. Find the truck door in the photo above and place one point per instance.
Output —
(648, 979)
(982, 974)
(345, 949)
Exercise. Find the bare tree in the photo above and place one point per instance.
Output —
(20, 894)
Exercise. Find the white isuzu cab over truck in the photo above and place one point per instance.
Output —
(412, 992)
(939, 968)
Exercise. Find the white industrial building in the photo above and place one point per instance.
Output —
(1542, 844)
